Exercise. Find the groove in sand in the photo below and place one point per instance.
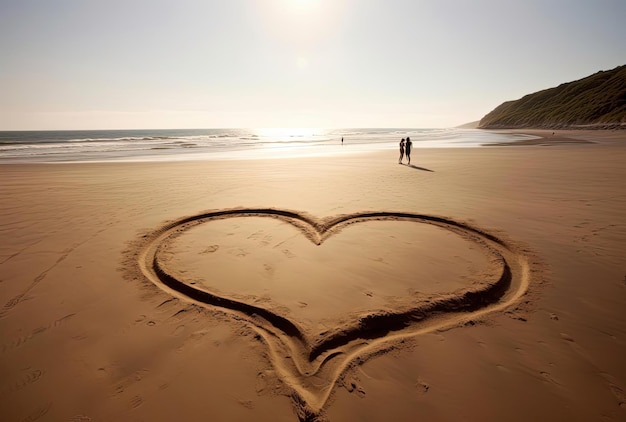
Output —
(302, 362)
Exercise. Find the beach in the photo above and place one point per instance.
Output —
(483, 283)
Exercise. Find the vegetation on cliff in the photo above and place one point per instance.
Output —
(597, 101)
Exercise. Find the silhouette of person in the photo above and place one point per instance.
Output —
(401, 151)
(409, 144)
(342, 140)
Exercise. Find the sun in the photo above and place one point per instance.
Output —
(303, 5)
(302, 62)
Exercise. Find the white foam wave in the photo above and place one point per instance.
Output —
(218, 144)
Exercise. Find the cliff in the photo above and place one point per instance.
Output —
(597, 101)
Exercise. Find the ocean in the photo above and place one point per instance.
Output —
(223, 144)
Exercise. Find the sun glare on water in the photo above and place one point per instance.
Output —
(284, 134)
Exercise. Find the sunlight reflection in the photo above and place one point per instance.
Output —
(283, 134)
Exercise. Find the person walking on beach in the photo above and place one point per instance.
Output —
(401, 151)
(409, 144)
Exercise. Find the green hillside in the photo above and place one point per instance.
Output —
(597, 101)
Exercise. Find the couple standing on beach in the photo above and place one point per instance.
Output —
(405, 147)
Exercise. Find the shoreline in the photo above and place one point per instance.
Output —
(212, 147)
(551, 137)
(542, 138)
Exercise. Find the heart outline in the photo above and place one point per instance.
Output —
(331, 356)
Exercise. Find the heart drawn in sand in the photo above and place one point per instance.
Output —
(310, 361)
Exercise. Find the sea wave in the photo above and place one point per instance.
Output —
(74, 146)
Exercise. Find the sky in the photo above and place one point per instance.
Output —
(155, 64)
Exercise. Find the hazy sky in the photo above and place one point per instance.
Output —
(81, 64)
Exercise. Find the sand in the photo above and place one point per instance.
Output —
(479, 284)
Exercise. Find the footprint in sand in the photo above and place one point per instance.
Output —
(38, 413)
(238, 252)
(422, 387)
(210, 249)
(546, 376)
(29, 378)
(353, 387)
(268, 269)
(248, 404)
(261, 237)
